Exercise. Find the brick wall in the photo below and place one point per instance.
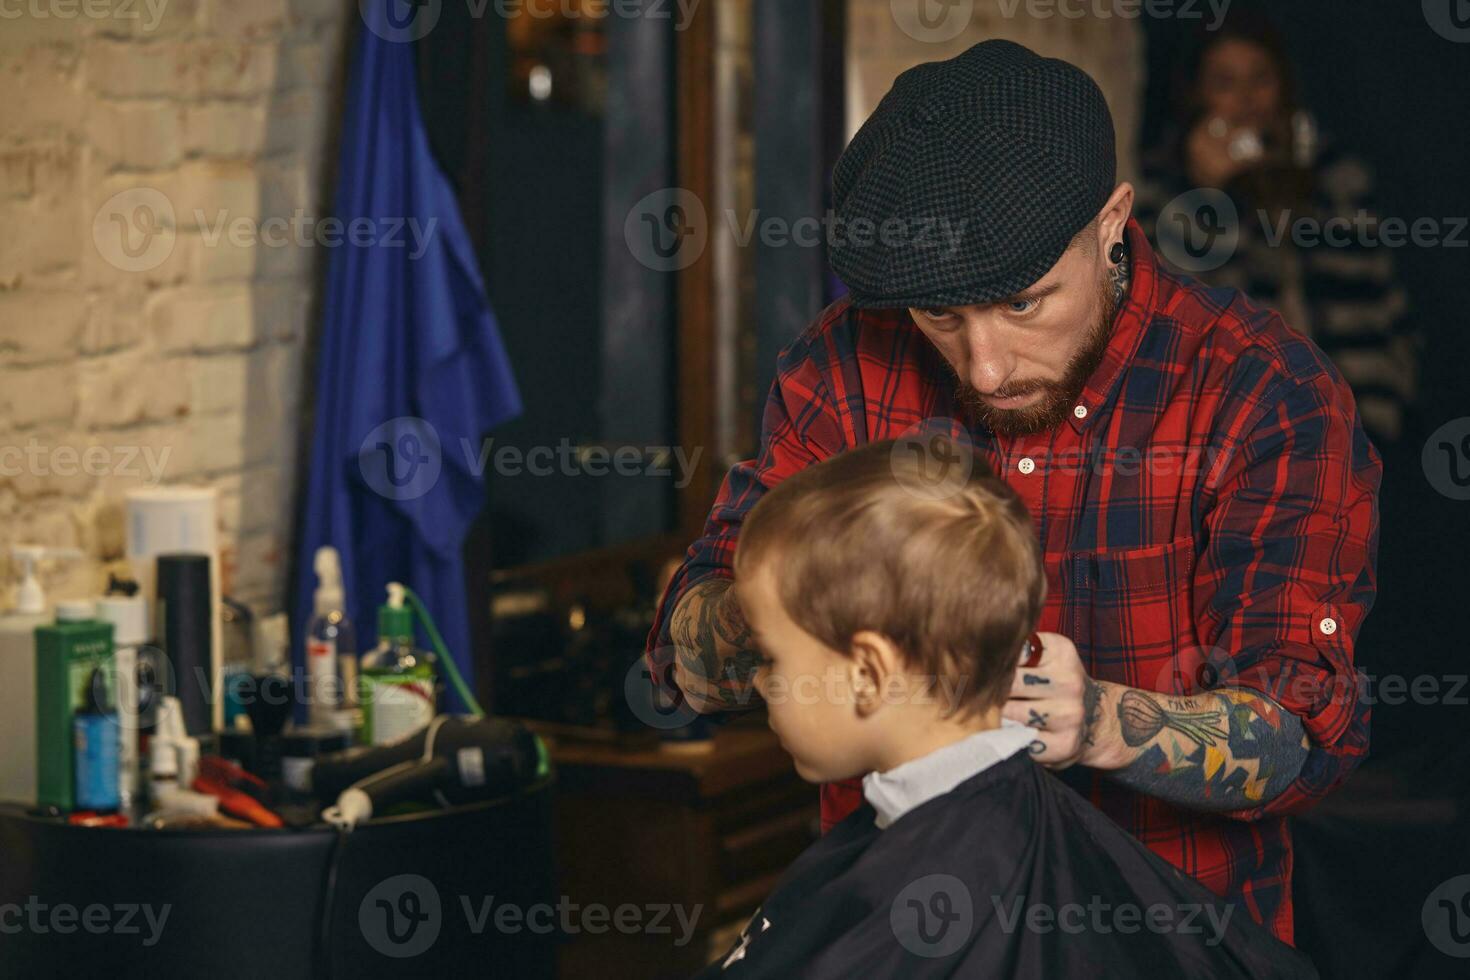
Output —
(148, 333)
(152, 322)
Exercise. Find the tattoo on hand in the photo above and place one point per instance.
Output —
(737, 674)
(729, 621)
(1032, 680)
(1092, 697)
(1037, 719)
(1037, 747)
(713, 644)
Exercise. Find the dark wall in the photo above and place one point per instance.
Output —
(1394, 91)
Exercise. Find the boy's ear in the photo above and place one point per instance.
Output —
(873, 665)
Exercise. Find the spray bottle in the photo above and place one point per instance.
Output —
(331, 644)
(128, 614)
(18, 668)
(29, 599)
(70, 654)
(397, 680)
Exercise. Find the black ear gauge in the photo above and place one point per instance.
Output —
(1117, 253)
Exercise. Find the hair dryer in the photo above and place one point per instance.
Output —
(452, 761)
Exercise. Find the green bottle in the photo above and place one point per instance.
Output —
(396, 682)
(70, 654)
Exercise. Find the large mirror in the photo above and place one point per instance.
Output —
(651, 222)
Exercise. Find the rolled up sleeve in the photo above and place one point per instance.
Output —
(1288, 573)
(799, 427)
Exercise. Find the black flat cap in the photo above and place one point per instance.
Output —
(970, 179)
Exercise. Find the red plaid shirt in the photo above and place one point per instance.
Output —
(1208, 516)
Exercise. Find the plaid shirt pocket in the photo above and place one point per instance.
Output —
(1129, 611)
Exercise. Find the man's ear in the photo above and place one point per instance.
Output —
(1113, 217)
(874, 666)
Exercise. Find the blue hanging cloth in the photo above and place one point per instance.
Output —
(411, 373)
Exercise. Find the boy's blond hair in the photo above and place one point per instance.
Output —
(950, 570)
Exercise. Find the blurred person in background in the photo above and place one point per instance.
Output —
(1308, 241)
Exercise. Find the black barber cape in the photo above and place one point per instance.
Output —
(1010, 874)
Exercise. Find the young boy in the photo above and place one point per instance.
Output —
(890, 606)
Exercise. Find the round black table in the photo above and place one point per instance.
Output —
(419, 895)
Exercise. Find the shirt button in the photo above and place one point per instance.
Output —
(1328, 626)
(1080, 411)
(1028, 466)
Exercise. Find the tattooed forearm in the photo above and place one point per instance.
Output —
(1228, 749)
(715, 658)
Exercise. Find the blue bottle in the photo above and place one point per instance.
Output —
(98, 748)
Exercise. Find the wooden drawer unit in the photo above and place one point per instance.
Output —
(709, 830)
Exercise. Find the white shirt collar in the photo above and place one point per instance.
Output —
(900, 789)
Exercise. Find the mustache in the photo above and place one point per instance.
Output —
(1025, 390)
(1060, 393)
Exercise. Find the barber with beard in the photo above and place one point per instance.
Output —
(1198, 475)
